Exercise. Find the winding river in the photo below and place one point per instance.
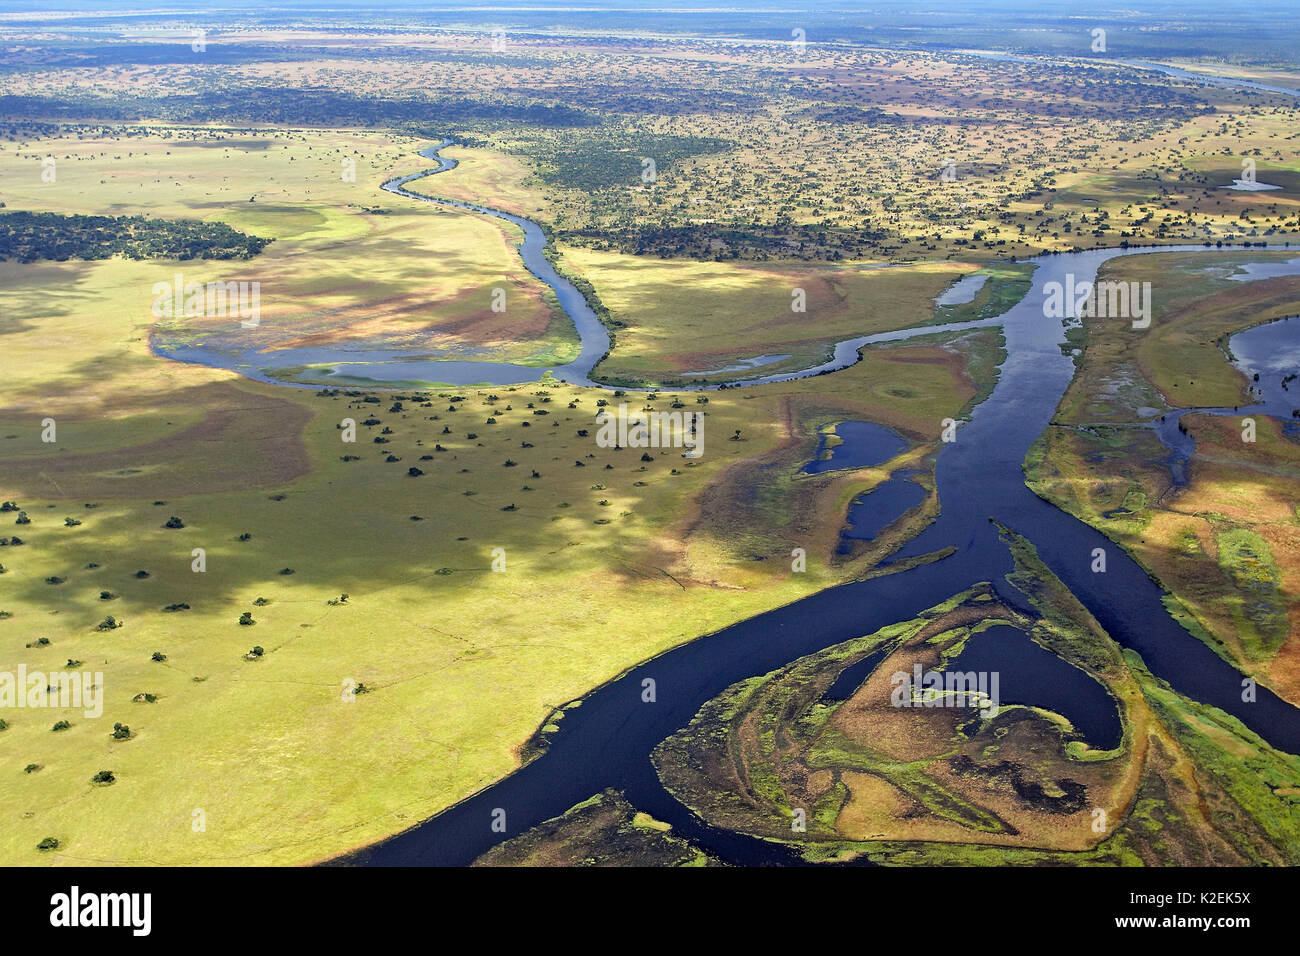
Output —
(607, 740)
(592, 336)
(591, 331)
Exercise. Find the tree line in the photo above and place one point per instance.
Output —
(30, 236)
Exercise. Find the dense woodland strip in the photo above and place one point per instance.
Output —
(289, 107)
(30, 236)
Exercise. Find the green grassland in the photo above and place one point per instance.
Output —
(1226, 543)
(352, 264)
(672, 316)
(483, 176)
(460, 669)
(673, 321)
(361, 716)
(457, 668)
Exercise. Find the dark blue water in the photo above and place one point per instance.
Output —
(871, 513)
(863, 444)
(608, 741)
(851, 678)
(1269, 356)
(1029, 674)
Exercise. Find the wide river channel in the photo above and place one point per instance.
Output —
(608, 740)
